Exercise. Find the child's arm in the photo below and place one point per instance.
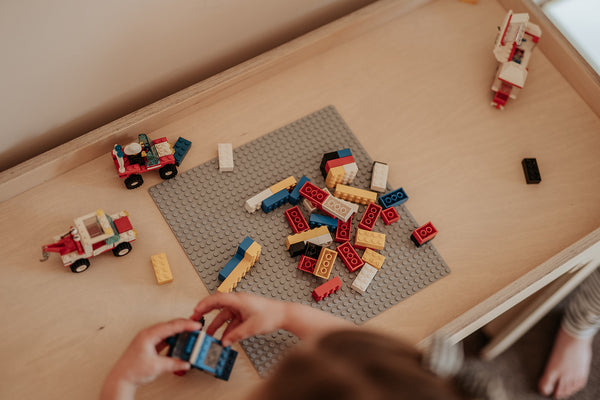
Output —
(141, 362)
(250, 315)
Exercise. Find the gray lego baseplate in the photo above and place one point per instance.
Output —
(205, 210)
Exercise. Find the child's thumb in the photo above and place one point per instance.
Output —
(174, 364)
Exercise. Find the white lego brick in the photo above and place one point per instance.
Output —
(379, 177)
(225, 157)
(364, 278)
(335, 207)
(323, 240)
(308, 206)
(197, 347)
(350, 171)
(254, 203)
(163, 149)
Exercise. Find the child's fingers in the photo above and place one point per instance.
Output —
(159, 332)
(216, 301)
(169, 364)
(244, 330)
(224, 316)
(232, 325)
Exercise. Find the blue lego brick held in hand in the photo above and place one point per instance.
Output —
(317, 220)
(295, 195)
(181, 147)
(203, 352)
(276, 200)
(393, 198)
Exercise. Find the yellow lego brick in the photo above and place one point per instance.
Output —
(161, 267)
(335, 176)
(355, 195)
(287, 183)
(235, 276)
(303, 236)
(373, 258)
(369, 239)
(253, 252)
(325, 263)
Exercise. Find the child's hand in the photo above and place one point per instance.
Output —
(141, 362)
(248, 315)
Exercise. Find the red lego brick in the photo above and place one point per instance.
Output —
(122, 224)
(329, 287)
(314, 194)
(307, 264)
(370, 216)
(424, 233)
(343, 231)
(338, 162)
(390, 215)
(350, 257)
(296, 219)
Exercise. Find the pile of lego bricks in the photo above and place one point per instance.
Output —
(334, 213)
(205, 209)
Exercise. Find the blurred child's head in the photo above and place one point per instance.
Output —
(354, 365)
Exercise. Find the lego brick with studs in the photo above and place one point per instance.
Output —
(209, 213)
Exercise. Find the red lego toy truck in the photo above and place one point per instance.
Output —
(92, 234)
(138, 157)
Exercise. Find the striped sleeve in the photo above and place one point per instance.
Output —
(582, 315)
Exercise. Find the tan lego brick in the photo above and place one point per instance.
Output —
(355, 195)
(304, 236)
(373, 258)
(161, 267)
(369, 239)
(287, 183)
(335, 176)
(325, 263)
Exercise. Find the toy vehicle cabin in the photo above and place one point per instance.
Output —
(138, 157)
(92, 234)
(515, 42)
(203, 352)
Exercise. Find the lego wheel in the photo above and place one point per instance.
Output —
(168, 171)
(80, 265)
(133, 181)
(122, 249)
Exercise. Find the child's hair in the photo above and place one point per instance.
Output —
(356, 364)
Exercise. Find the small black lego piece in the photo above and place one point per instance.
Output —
(530, 168)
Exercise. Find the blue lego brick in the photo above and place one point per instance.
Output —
(225, 363)
(317, 220)
(211, 357)
(230, 266)
(344, 153)
(295, 195)
(276, 200)
(393, 198)
(181, 147)
(243, 247)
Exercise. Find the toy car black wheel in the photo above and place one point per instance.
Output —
(168, 171)
(80, 265)
(133, 181)
(121, 249)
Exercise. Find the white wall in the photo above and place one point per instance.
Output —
(69, 66)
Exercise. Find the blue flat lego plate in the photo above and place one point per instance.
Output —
(205, 210)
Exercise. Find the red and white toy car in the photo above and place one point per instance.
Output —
(92, 234)
(138, 157)
(515, 42)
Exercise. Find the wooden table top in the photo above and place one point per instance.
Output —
(412, 81)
